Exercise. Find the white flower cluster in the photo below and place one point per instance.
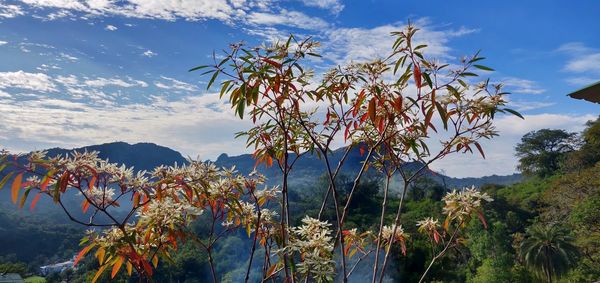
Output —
(313, 240)
(100, 197)
(167, 212)
(461, 205)
(428, 225)
(398, 236)
(268, 193)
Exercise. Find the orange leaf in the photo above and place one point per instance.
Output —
(129, 268)
(82, 253)
(116, 267)
(16, 186)
(371, 110)
(92, 183)
(34, 201)
(85, 205)
(269, 161)
(102, 268)
(45, 182)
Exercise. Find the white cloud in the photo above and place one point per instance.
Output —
(111, 28)
(10, 11)
(582, 81)
(3, 42)
(287, 18)
(522, 86)
(499, 151)
(343, 45)
(55, 15)
(583, 61)
(181, 124)
(4, 94)
(30, 81)
(46, 67)
(68, 57)
(152, 9)
(148, 53)
(335, 6)
(172, 83)
(102, 82)
(529, 105)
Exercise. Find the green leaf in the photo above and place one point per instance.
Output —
(240, 108)
(212, 79)
(481, 67)
(514, 113)
(198, 68)
(5, 179)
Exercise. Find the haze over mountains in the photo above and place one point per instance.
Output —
(307, 171)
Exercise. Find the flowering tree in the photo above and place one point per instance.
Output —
(403, 108)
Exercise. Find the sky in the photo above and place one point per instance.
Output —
(82, 72)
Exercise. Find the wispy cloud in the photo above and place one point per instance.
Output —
(10, 11)
(102, 82)
(287, 18)
(335, 6)
(171, 83)
(522, 86)
(149, 53)
(499, 151)
(343, 45)
(29, 81)
(111, 28)
(180, 124)
(583, 61)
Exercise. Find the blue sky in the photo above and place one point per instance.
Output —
(79, 72)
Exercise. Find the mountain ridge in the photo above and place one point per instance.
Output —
(146, 156)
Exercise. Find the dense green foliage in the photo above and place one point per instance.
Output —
(541, 152)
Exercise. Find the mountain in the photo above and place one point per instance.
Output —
(142, 156)
(306, 171)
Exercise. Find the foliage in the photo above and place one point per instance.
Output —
(589, 153)
(541, 152)
(548, 250)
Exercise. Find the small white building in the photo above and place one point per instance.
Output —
(56, 268)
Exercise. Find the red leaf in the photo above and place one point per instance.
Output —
(480, 149)
(273, 63)
(480, 215)
(417, 74)
(436, 236)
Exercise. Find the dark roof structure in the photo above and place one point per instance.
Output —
(590, 93)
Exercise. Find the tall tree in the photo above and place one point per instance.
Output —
(548, 250)
(541, 152)
(589, 153)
